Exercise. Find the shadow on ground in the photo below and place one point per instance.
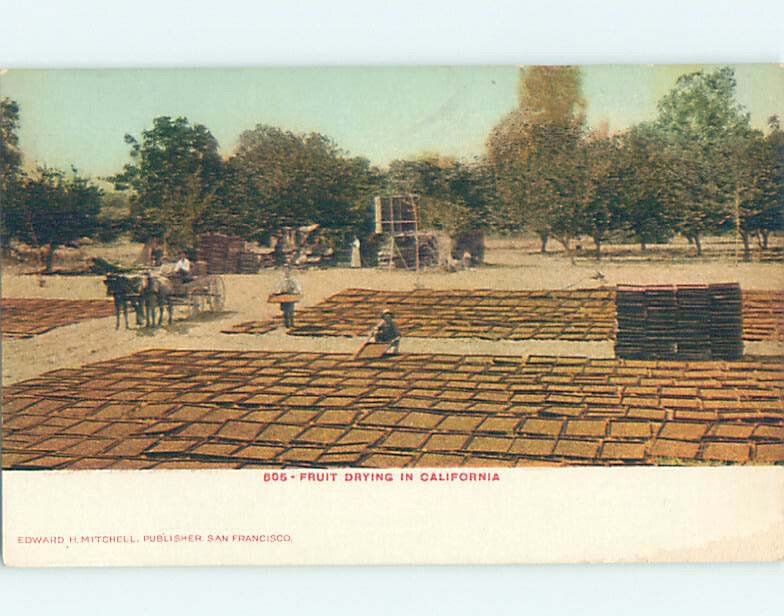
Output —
(184, 325)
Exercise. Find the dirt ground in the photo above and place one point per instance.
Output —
(510, 265)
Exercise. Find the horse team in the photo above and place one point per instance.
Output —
(147, 294)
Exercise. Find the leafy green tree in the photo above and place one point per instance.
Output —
(605, 189)
(173, 176)
(115, 216)
(10, 168)
(645, 209)
(55, 208)
(277, 178)
(534, 149)
(760, 193)
(454, 196)
(704, 130)
(10, 156)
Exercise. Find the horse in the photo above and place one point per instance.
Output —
(124, 290)
(157, 292)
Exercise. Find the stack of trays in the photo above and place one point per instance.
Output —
(631, 314)
(220, 252)
(726, 324)
(234, 248)
(212, 249)
(249, 263)
(661, 327)
(690, 322)
(693, 322)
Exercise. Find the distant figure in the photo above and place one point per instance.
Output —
(466, 260)
(598, 276)
(183, 268)
(288, 286)
(156, 254)
(387, 331)
(356, 258)
(282, 248)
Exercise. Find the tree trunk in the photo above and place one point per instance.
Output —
(698, 244)
(543, 237)
(49, 258)
(565, 242)
(746, 247)
(598, 242)
(765, 235)
(5, 247)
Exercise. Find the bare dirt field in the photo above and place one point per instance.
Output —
(511, 264)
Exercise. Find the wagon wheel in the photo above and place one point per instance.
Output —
(194, 301)
(216, 297)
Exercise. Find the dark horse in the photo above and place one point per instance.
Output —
(125, 290)
(157, 292)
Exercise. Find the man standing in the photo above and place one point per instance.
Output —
(387, 331)
(291, 290)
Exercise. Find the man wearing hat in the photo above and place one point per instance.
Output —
(291, 287)
(387, 331)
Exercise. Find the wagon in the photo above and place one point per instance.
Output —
(206, 293)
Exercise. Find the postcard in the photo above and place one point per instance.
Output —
(499, 314)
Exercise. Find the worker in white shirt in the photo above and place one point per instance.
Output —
(183, 268)
(288, 286)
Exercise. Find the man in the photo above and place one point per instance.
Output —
(288, 286)
(156, 254)
(183, 268)
(387, 331)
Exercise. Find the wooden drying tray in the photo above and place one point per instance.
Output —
(280, 298)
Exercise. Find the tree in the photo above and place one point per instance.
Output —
(10, 156)
(552, 94)
(605, 188)
(645, 210)
(278, 178)
(760, 193)
(10, 168)
(534, 151)
(704, 130)
(55, 208)
(173, 174)
(115, 217)
(454, 196)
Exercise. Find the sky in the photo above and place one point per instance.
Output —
(79, 117)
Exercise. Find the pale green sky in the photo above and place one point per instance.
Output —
(79, 117)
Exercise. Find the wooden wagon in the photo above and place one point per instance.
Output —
(205, 293)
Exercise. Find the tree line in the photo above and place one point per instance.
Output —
(697, 168)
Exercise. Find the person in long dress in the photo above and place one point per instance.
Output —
(356, 258)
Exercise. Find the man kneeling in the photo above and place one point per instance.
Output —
(387, 331)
